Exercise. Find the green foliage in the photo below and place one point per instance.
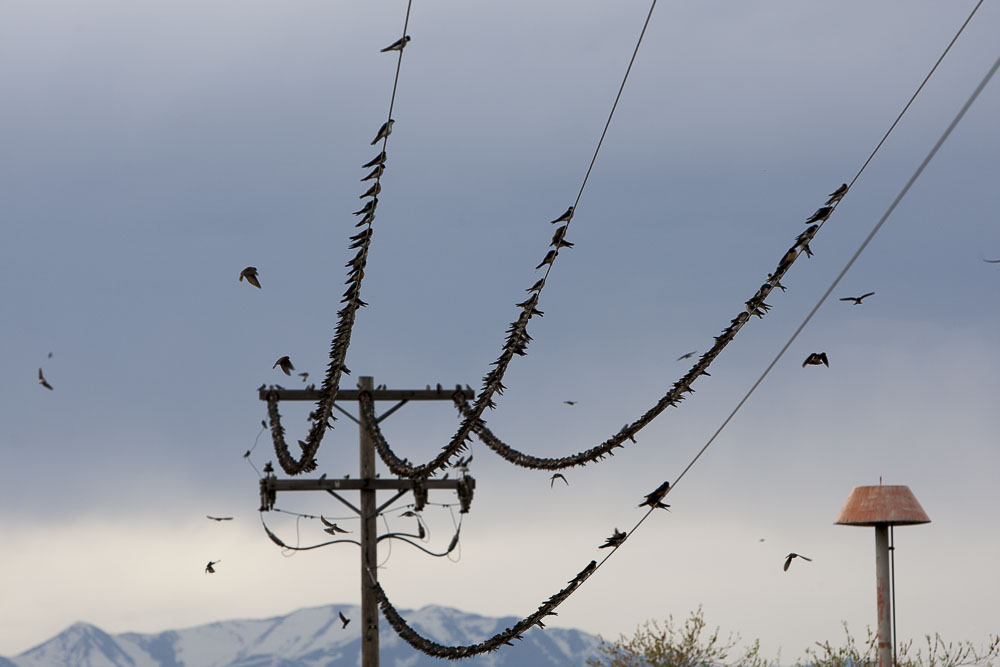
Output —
(656, 645)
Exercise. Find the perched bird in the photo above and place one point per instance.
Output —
(565, 217)
(570, 402)
(246, 454)
(815, 359)
(343, 619)
(383, 131)
(377, 160)
(375, 173)
(368, 208)
(372, 191)
(857, 299)
(209, 569)
(615, 540)
(775, 282)
(558, 239)
(688, 355)
(409, 513)
(549, 258)
(250, 273)
(398, 45)
(219, 518)
(791, 556)
(837, 195)
(537, 286)
(331, 528)
(286, 365)
(821, 214)
(655, 499)
(42, 381)
(558, 475)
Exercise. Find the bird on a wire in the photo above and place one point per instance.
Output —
(821, 214)
(687, 355)
(837, 195)
(383, 131)
(565, 217)
(367, 208)
(218, 518)
(42, 381)
(343, 619)
(857, 299)
(615, 540)
(209, 569)
(286, 365)
(410, 513)
(816, 359)
(549, 258)
(250, 274)
(375, 173)
(331, 527)
(558, 475)
(655, 499)
(375, 161)
(398, 45)
(792, 556)
(559, 238)
(372, 191)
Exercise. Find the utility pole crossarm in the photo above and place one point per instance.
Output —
(274, 484)
(443, 394)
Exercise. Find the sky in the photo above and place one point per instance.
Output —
(152, 152)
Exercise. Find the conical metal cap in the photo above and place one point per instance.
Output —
(882, 505)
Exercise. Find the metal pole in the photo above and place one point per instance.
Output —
(369, 548)
(882, 595)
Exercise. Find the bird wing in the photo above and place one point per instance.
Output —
(848, 298)
(788, 561)
(865, 296)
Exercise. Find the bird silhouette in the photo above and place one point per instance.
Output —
(398, 45)
(615, 540)
(815, 359)
(218, 518)
(558, 475)
(857, 299)
(565, 217)
(209, 569)
(378, 159)
(549, 258)
(409, 513)
(383, 131)
(367, 208)
(558, 239)
(655, 499)
(250, 273)
(375, 173)
(343, 619)
(687, 356)
(570, 402)
(775, 282)
(821, 214)
(372, 191)
(331, 528)
(837, 195)
(42, 381)
(286, 365)
(790, 557)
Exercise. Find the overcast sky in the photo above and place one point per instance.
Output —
(150, 153)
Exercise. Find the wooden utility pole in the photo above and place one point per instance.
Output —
(367, 485)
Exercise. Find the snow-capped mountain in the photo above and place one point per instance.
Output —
(310, 637)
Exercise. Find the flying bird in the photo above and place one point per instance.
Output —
(815, 359)
(857, 299)
(50, 354)
(42, 381)
(398, 45)
(615, 540)
(655, 499)
(286, 365)
(250, 273)
(409, 513)
(821, 214)
(343, 619)
(304, 375)
(383, 131)
(837, 195)
(331, 528)
(565, 217)
(688, 355)
(792, 556)
(218, 518)
(570, 402)
(558, 475)
(209, 569)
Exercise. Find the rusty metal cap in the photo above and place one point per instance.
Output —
(881, 505)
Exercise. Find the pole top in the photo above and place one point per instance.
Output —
(881, 506)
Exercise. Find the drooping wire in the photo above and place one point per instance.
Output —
(345, 326)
